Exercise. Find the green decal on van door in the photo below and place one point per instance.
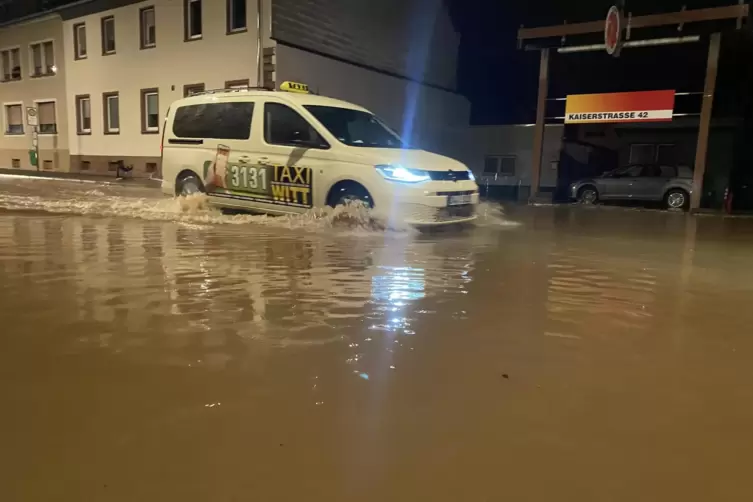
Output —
(269, 183)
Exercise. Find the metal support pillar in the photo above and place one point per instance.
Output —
(702, 146)
(538, 132)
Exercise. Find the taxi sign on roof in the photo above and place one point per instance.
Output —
(294, 87)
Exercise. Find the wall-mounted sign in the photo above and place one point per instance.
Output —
(31, 116)
(642, 106)
(613, 31)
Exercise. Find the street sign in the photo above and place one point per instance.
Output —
(613, 31)
(32, 119)
(641, 106)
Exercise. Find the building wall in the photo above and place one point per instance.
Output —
(411, 38)
(213, 60)
(513, 141)
(424, 116)
(53, 148)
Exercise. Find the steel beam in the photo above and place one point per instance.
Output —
(702, 146)
(739, 11)
(538, 132)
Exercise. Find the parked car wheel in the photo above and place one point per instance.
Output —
(189, 184)
(677, 198)
(588, 195)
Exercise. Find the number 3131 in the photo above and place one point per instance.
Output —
(248, 177)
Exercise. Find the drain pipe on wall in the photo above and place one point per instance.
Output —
(259, 44)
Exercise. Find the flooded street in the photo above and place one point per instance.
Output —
(153, 349)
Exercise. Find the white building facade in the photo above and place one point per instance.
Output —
(121, 63)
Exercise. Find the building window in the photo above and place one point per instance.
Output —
(79, 41)
(149, 111)
(507, 166)
(111, 107)
(108, 35)
(236, 16)
(191, 89)
(15, 163)
(284, 126)
(113, 166)
(231, 120)
(495, 165)
(151, 167)
(236, 84)
(148, 27)
(83, 114)
(85, 165)
(192, 19)
(47, 165)
(491, 166)
(11, 60)
(42, 59)
(14, 119)
(47, 120)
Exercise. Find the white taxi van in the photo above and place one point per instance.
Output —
(289, 151)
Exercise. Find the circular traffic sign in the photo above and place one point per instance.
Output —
(613, 31)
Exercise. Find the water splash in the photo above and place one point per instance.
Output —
(493, 215)
(196, 209)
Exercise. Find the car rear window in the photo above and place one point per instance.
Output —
(214, 120)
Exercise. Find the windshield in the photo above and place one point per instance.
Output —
(356, 128)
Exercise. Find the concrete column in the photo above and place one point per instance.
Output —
(702, 146)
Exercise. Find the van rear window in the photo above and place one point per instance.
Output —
(214, 120)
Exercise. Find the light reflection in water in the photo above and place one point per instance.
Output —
(393, 289)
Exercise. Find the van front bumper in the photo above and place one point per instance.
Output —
(434, 203)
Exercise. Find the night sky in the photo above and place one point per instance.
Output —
(501, 81)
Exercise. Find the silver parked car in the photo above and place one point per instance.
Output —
(644, 182)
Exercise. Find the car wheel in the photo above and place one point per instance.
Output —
(677, 198)
(588, 195)
(189, 184)
(354, 198)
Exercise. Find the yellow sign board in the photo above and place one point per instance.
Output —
(294, 87)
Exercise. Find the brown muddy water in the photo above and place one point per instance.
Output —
(152, 349)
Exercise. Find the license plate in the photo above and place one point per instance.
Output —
(458, 200)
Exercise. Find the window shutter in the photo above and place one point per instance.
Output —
(46, 113)
(15, 115)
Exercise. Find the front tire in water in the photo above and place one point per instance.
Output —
(588, 195)
(189, 184)
(351, 195)
(677, 199)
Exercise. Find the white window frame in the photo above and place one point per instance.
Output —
(143, 29)
(80, 115)
(498, 172)
(5, 119)
(145, 104)
(10, 50)
(103, 22)
(77, 40)
(37, 102)
(187, 20)
(44, 73)
(108, 128)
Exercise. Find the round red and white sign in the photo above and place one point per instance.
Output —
(613, 31)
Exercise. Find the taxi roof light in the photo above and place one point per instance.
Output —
(294, 87)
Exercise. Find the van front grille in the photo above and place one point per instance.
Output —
(449, 175)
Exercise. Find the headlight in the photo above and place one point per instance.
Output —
(471, 176)
(402, 174)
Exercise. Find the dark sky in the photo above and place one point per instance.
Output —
(501, 81)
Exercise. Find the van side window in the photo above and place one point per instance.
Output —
(214, 120)
(284, 126)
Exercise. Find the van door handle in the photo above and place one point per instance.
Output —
(262, 160)
(245, 159)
